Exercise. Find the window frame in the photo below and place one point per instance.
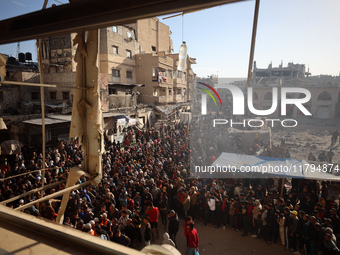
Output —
(115, 49)
(129, 76)
(117, 71)
(129, 54)
(64, 93)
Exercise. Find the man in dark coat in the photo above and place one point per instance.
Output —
(173, 225)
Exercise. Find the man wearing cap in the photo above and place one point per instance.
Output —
(105, 222)
(329, 246)
(89, 230)
(293, 231)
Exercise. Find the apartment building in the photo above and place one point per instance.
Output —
(137, 65)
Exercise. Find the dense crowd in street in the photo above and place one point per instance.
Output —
(146, 186)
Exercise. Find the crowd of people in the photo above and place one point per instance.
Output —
(146, 186)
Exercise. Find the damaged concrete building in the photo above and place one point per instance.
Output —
(137, 65)
(138, 72)
(324, 89)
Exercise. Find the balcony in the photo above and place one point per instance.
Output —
(114, 79)
(179, 98)
(162, 99)
(179, 83)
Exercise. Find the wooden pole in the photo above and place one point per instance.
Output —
(252, 47)
(29, 84)
(31, 192)
(56, 194)
(42, 96)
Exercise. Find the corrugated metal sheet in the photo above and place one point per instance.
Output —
(48, 121)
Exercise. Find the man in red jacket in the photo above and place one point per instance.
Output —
(153, 214)
(192, 239)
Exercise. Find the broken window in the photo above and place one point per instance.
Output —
(128, 91)
(113, 91)
(115, 49)
(115, 73)
(129, 74)
(153, 48)
(155, 92)
(66, 95)
(128, 54)
(53, 95)
(170, 74)
(35, 95)
(154, 74)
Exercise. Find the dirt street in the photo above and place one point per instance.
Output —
(214, 241)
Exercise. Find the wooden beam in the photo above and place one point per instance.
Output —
(31, 192)
(56, 194)
(93, 14)
(252, 47)
(28, 84)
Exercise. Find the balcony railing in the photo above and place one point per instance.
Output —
(179, 98)
(162, 99)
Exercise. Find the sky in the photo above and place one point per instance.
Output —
(300, 31)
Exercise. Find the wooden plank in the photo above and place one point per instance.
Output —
(56, 194)
(28, 84)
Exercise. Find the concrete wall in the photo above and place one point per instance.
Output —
(13, 95)
(109, 59)
(58, 54)
(66, 79)
(121, 99)
(144, 71)
(151, 32)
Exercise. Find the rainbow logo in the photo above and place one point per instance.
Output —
(209, 93)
